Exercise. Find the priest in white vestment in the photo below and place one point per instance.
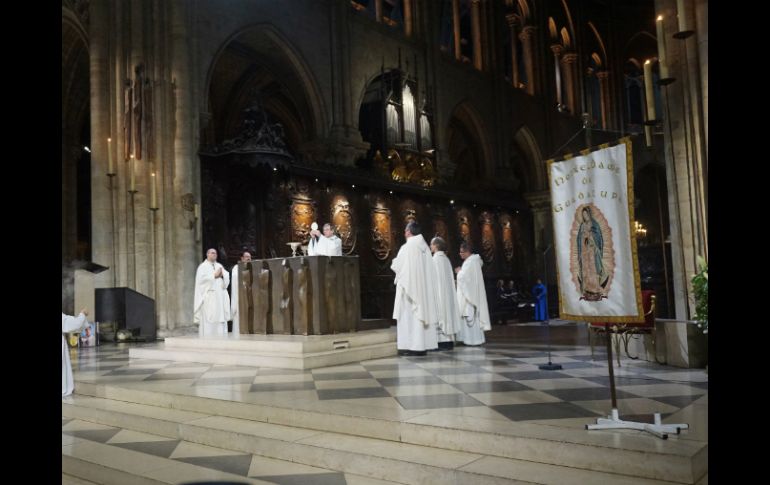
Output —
(448, 313)
(70, 324)
(211, 309)
(471, 298)
(326, 244)
(234, 290)
(416, 307)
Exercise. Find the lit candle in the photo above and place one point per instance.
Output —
(154, 193)
(661, 48)
(110, 163)
(648, 91)
(684, 24)
(132, 175)
(197, 211)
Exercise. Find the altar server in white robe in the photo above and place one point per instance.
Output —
(471, 298)
(70, 324)
(416, 307)
(326, 244)
(211, 304)
(234, 290)
(448, 313)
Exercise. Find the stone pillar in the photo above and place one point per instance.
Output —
(186, 186)
(526, 36)
(408, 23)
(604, 96)
(540, 203)
(569, 64)
(377, 10)
(476, 33)
(446, 166)
(557, 49)
(702, 33)
(102, 243)
(512, 20)
(456, 27)
(344, 144)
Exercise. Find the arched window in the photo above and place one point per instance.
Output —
(593, 89)
(448, 35)
(391, 12)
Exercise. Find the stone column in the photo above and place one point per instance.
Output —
(181, 271)
(101, 234)
(476, 33)
(344, 144)
(540, 203)
(526, 36)
(512, 20)
(377, 10)
(557, 49)
(604, 96)
(408, 23)
(569, 64)
(456, 27)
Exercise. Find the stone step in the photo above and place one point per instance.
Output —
(87, 462)
(265, 358)
(379, 458)
(279, 344)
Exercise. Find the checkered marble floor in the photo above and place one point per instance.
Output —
(500, 380)
(160, 458)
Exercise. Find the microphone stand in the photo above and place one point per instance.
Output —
(549, 365)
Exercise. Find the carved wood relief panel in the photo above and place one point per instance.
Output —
(486, 219)
(343, 221)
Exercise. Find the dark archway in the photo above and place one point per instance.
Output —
(468, 148)
(257, 69)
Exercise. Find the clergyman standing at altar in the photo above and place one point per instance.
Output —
(326, 244)
(211, 309)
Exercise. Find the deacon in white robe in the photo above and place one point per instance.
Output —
(234, 290)
(69, 324)
(326, 244)
(415, 308)
(472, 298)
(211, 308)
(448, 313)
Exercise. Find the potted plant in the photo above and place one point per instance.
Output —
(700, 287)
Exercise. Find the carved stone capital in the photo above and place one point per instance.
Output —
(569, 58)
(527, 32)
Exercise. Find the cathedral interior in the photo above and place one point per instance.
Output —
(234, 125)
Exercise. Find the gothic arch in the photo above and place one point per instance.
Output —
(534, 169)
(468, 146)
(267, 54)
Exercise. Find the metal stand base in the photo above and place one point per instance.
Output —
(550, 366)
(659, 429)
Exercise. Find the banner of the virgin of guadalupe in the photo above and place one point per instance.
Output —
(592, 198)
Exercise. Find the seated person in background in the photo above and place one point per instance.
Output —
(510, 290)
(501, 291)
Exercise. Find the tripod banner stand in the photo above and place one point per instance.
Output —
(592, 199)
